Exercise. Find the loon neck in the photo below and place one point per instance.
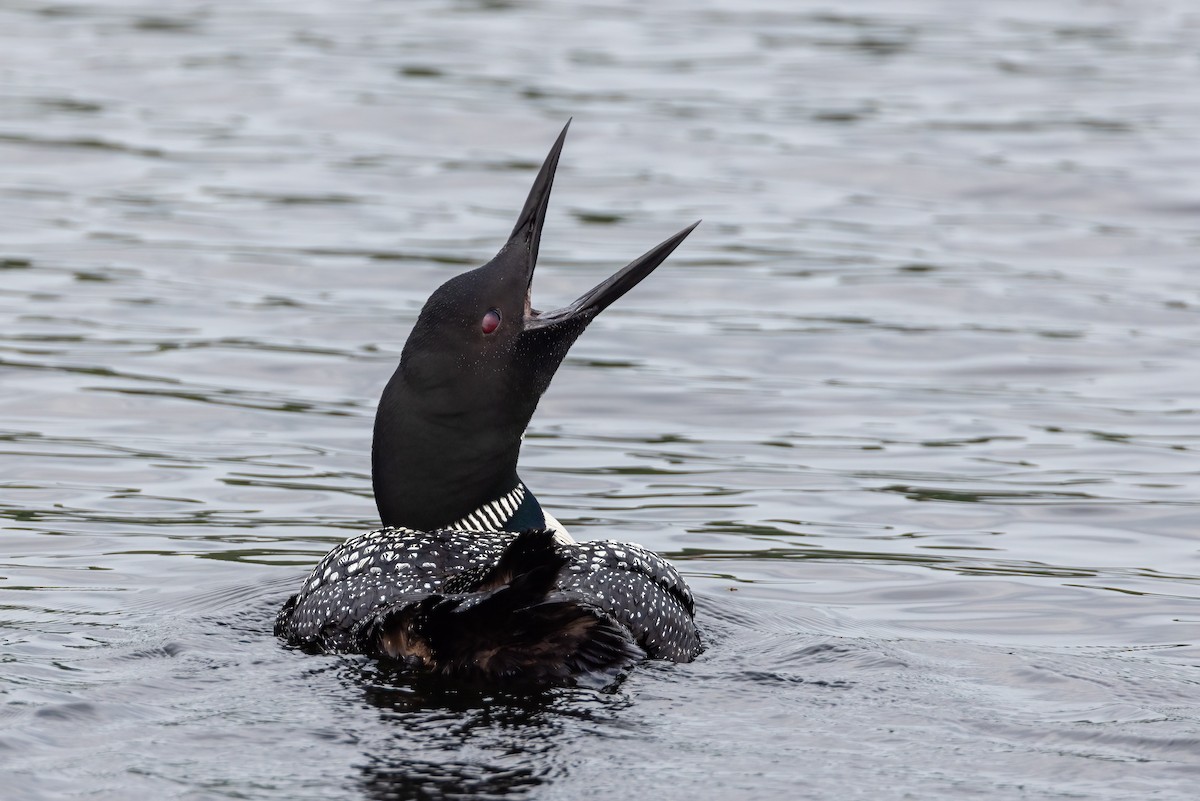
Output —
(440, 453)
(430, 498)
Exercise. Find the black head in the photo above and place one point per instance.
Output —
(450, 421)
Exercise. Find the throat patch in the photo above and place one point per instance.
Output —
(496, 515)
(517, 510)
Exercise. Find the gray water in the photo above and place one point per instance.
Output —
(914, 410)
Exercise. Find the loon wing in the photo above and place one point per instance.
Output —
(384, 576)
(367, 572)
(511, 625)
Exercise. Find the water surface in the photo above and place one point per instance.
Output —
(914, 410)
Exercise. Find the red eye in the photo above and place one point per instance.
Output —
(491, 321)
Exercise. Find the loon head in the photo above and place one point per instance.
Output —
(450, 422)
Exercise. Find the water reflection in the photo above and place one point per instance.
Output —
(455, 741)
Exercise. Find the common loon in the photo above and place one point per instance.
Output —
(470, 577)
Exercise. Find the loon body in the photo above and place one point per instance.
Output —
(469, 576)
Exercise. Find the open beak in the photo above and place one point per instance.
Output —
(527, 236)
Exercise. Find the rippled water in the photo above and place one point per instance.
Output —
(915, 409)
